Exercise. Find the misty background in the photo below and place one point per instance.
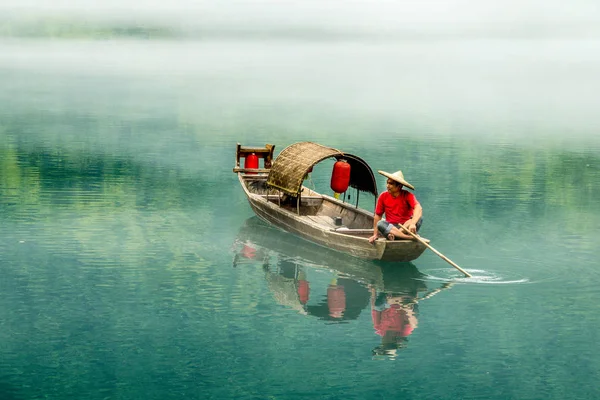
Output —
(442, 68)
(521, 18)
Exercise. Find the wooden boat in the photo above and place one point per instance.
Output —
(277, 195)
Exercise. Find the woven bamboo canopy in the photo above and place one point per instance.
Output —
(293, 163)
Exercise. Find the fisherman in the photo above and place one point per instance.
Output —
(399, 207)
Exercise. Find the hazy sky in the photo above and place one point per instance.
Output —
(575, 17)
(549, 84)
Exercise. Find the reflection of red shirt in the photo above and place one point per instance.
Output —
(391, 319)
(396, 209)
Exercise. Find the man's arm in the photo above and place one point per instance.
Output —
(411, 224)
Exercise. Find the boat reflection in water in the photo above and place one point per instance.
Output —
(325, 284)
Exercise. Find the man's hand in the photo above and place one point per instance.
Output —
(410, 226)
(373, 238)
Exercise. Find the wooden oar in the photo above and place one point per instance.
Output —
(449, 261)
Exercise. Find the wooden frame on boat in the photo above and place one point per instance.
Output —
(276, 195)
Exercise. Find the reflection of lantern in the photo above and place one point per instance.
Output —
(251, 162)
(303, 288)
(336, 299)
(303, 291)
(340, 177)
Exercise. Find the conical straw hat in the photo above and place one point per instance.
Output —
(398, 177)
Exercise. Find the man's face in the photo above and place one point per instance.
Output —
(393, 187)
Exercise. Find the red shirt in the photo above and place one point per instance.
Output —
(398, 209)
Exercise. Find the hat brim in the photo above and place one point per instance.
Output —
(395, 178)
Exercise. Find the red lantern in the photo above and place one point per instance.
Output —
(340, 177)
(251, 162)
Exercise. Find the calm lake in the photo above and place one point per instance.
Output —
(132, 266)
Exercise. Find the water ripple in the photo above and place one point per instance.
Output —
(478, 276)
